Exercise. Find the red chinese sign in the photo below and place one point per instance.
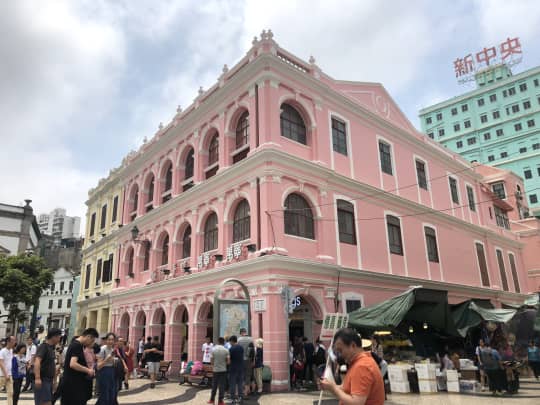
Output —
(471, 63)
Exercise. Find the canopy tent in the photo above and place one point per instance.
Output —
(471, 313)
(415, 306)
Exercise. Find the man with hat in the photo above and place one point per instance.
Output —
(45, 368)
(363, 383)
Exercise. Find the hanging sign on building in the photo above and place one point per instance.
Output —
(508, 53)
(332, 323)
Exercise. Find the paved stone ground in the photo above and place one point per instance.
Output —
(171, 393)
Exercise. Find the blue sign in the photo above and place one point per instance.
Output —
(22, 329)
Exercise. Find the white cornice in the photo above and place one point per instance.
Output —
(306, 171)
(269, 267)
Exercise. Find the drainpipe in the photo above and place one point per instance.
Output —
(257, 140)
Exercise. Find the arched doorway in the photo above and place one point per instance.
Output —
(305, 319)
(206, 317)
(158, 325)
(179, 333)
(140, 325)
(123, 328)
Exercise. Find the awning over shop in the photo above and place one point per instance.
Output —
(415, 306)
(471, 313)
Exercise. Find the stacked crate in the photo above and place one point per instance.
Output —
(427, 377)
(397, 375)
(452, 380)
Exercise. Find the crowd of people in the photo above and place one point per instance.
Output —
(70, 373)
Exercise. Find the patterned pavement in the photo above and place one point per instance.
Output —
(167, 393)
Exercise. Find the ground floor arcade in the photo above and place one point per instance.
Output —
(288, 297)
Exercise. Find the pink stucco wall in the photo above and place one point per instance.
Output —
(276, 167)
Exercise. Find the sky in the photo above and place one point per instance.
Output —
(83, 82)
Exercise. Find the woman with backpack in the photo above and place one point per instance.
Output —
(18, 370)
(491, 361)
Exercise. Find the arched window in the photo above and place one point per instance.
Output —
(186, 243)
(165, 250)
(242, 130)
(168, 177)
(130, 261)
(146, 253)
(242, 223)
(190, 163)
(135, 202)
(298, 217)
(213, 150)
(292, 124)
(211, 233)
(150, 199)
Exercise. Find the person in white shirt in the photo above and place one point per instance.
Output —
(31, 349)
(6, 358)
(207, 349)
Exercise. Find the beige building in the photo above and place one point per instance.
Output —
(99, 262)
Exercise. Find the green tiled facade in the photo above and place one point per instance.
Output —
(497, 124)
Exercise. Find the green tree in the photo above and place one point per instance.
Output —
(22, 281)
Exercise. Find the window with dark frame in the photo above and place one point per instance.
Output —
(394, 235)
(454, 190)
(386, 157)
(87, 276)
(518, 127)
(441, 132)
(92, 224)
(504, 154)
(467, 124)
(146, 261)
(483, 118)
(99, 268)
(464, 107)
(523, 87)
(502, 270)
(491, 158)
(480, 102)
(499, 132)
(526, 105)
(439, 116)
(513, 269)
(493, 98)
(471, 141)
(527, 173)
(346, 222)
(428, 120)
(457, 127)
(213, 150)
(453, 111)
(481, 256)
(352, 305)
(150, 199)
(59, 305)
(431, 244)
(103, 217)
(498, 190)
(51, 304)
(165, 251)
(210, 233)
(470, 198)
(131, 257)
(242, 130)
(69, 303)
(292, 125)
(339, 136)
(487, 136)
(186, 243)
(533, 198)
(459, 144)
(242, 222)
(115, 209)
(190, 164)
(421, 174)
(496, 115)
(530, 123)
(168, 178)
(135, 202)
(298, 217)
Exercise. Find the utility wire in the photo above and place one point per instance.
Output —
(430, 211)
(382, 192)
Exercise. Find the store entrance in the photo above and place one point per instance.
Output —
(301, 320)
(296, 330)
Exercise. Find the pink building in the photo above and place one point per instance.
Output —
(283, 177)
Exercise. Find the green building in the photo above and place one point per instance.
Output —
(497, 124)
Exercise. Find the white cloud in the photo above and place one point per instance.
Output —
(57, 76)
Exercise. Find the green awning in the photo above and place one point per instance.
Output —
(415, 306)
(471, 313)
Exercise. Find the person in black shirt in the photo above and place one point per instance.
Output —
(77, 389)
(309, 349)
(236, 369)
(45, 368)
(153, 353)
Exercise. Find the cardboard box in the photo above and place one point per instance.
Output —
(398, 373)
(452, 376)
(469, 386)
(469, 374)
(426, 371)
(427, 385)
(452, 386)
(400, 387)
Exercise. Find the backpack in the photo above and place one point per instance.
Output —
(197, 368)
(320, 356)
(488, 360)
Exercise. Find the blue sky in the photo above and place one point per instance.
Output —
(83, 82)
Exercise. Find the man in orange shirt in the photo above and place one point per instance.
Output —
(363, 383)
